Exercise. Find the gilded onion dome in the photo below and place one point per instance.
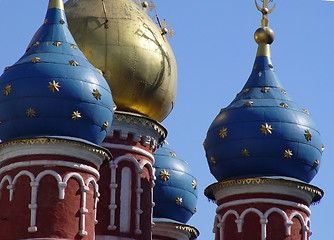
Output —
(175, 192)
(263, 132)
(53, 90)
(120, 39)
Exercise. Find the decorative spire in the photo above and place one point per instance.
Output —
(264, 36)
(58, 4)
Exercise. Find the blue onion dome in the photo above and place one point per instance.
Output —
(53, 89)
(263, 133)
(175, 192)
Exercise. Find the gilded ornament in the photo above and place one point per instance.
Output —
(97, 95)
(36, 44)
(62, 21)
(246, 90)
(195, 210)
(316, 163)
(164, 175)
(178, 201)
(271, 66)
(237, 94)
(322, 147)
(204, 142)
(54, 86)
(31, 113)
(223, 132)
(35, 60)
(308, 135)
(76, 115)
(306, 111)
(73, 63)
(7, 89)
(287, 153)
(255, 66)
(45, 21)
(265, 89)
(222, 110)
(284, 105)
(283, 91)
(105, 125)
(194, 184)
(57, 44)
(266, 129)
(6, 69)
(74, 46)
(245, 153)
(249, 103)
(172, 154)
(213, 160)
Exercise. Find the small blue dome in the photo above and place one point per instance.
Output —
(175, 192)
(53, 89)
(263, 133)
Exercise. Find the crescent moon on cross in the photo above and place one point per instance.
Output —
(261, 9)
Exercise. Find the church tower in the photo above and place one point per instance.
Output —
(54, 109)
(263, 150)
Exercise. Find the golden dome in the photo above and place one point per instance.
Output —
(122, 41)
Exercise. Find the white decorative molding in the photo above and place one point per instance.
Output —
(113, 185)
(265, 200)
(219, 221)
(62, 184)
(129, 149)
(51, 163)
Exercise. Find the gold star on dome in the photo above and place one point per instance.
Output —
(76, 115)
(284, 105)
(73, 63)
(306, 111)
(36, 44)
(73, 46)
(255, 66)
(178, 201)
(105, 125)
(7, 89)
(45, 21)
(222, 110)
(223, 132)
(54, 86)
(62, 21)
(195, 210)
(164, 175)
(237, 94)
(266, 129)
(172, 154)
(97, 95)
(31, 113)
(308, 135)
(265, 89)
(57, 44)
(287, 153)
(6, 69)
(35, 60)
(249, 103)
(194, 184)
(213, 160)
(245, 153)
(204, 144)
(246, 90)
(271, 66)
(283, 91)
(316, 163)
(322, 147)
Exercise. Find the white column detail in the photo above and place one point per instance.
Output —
(96, 195)
(221, 222)
(125, 201)
(9, 186)
(244, 213)
(288, 223)
(303, 223)
(83, 209)
(113, 187)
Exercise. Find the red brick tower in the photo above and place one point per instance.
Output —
(263, 150)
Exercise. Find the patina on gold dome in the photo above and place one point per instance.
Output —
(128, 47)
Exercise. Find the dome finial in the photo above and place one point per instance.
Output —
(264, 36)
(59, 4)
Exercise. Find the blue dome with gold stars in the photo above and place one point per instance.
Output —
(263, 133)
(53, 90)
(175, 192)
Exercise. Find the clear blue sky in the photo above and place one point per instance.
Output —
(215, 50)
